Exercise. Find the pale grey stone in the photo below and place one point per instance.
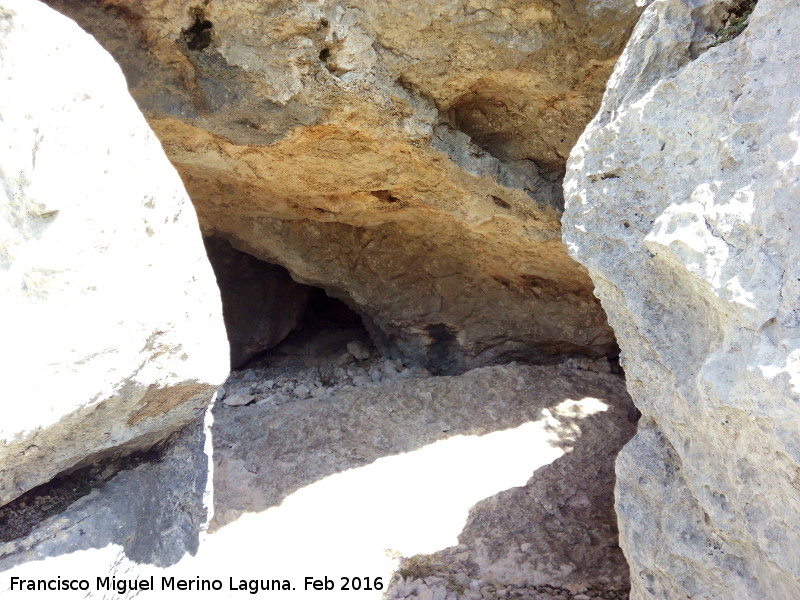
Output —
(238, 398)
(359, 350)
(682, 201)
(151, 514)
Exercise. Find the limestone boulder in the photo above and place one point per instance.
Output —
(406, 158)
(682, 200)
(112, 327)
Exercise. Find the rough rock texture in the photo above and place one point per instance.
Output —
(152, 513)
(112, 335)
(349, 482)
(261, 303)
(682, 200)
(557, 529)
(406, 158)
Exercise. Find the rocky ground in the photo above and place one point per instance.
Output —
(553, 535)
(497, 483)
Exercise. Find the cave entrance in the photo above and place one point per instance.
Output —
(330, 332)
(272, 320)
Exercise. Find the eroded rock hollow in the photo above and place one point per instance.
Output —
(408, 162)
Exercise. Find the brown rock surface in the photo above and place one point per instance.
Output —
(406, 159)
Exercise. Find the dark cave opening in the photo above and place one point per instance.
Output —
(327, 329)
(272, 320)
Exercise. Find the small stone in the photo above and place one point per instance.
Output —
(269, 384)
(358, 349)
(375, 375)
(360, 380)
(343, 359)
(389, 371)
(424, 594)
(301, 391)
(405, 374)
(525, 547)
(238, 399)
(319, 392)
(581, 597)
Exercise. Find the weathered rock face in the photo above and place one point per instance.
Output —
(359, 473)
(682, 201)
(111, 321)
(261, 303)
(406, 159)
(152, 512)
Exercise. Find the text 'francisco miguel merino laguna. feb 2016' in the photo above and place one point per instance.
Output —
(197, 584)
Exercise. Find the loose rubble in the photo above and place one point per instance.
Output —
(275, 386)
(449, 575)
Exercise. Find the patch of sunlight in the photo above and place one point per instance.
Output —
(359, 521)
(790, 367)
(791, 143)
(740, 208)
(353, 524)
(683, 230)
(737, 293)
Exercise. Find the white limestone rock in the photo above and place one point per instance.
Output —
(112, 333)
(682, 201)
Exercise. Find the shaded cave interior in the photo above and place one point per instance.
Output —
(273, 320)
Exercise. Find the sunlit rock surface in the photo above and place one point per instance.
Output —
(502, 477)
(682, 201)
(112, 333)
(405, 157)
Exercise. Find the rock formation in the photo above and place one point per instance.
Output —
(111, 321)
(406, 161)
(682, 200)
(260, 302)
(327, 482)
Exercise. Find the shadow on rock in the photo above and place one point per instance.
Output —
(152, 509)
(432, 462)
